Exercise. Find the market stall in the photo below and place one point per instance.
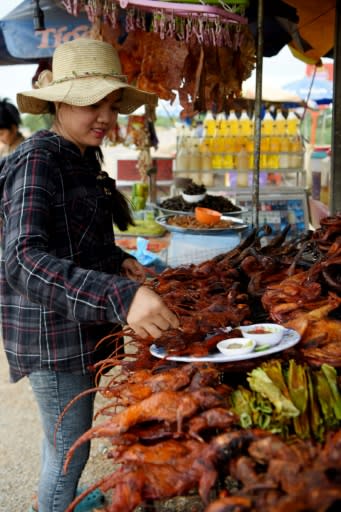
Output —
(210, 67)
(253, 429)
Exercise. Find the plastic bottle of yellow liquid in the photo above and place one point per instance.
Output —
(217, 154)
(250, 147)
(284, 155)
(274, 151)
(293, 124)
(220, 125)
(296, 157)
(224, 125)
(267, 124)
(229, 150)
(195, 163)
(265, 157)
(209, 125)
(234, 123)
(182, 156)
(280, 124)
(245, 126)
(181, 134)
(242, 164)
(206, 166)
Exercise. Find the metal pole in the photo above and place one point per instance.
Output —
(258, 107)
(335, 171)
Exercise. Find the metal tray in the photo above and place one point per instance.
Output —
(180, 212)
(238, 226)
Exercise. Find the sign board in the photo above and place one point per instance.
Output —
(19, 43)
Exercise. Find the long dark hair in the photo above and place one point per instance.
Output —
(9, 115)
(121, 207)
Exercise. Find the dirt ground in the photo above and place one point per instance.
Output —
(20, 438)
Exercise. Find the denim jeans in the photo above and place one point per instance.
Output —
(53, 391)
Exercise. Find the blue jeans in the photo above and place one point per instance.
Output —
(53, 391)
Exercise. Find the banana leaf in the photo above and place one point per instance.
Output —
(325, 398)
(240, 402)
(316, 421)
(331, 376)
(273, 369)
(299, 394)
(260, 382)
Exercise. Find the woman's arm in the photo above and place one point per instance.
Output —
(33, 271)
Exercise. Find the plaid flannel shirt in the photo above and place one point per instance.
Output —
(60, 287)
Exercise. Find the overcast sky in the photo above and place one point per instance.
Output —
(278, 70)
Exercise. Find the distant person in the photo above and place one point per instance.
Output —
(10, 135)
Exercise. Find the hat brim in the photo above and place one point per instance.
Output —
(82, 92)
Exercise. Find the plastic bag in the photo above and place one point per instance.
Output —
(142, 254)
(147, 258)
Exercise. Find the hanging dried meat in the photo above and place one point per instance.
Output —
(192, 78)
(162, 65)
(202, 52)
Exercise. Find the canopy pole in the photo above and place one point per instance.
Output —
(335, 174)
(257, 114)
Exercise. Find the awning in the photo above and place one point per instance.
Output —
(316, 25)
(318, 90)
(20, 44)
(272, 94)
(306, 26)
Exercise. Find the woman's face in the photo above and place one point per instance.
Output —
(8, 135)
(87, 126)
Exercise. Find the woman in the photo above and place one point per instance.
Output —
(10, 135)
(64, 283)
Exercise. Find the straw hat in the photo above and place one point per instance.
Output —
(84, 71)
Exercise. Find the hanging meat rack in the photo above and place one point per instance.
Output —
(209, 21)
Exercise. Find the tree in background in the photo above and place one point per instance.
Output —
(33, 123)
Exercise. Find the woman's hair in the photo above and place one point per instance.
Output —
(9, 115)
(121, 208)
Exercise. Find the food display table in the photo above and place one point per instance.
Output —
(185, 249)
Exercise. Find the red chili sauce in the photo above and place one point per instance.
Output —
(259, 330)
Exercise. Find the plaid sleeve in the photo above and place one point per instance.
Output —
(79, 294)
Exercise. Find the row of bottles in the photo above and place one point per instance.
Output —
(194, 157)
(205, 154)
(227, 143)
(231, 125)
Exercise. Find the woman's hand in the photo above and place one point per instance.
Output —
(132, 269)
(149, 316)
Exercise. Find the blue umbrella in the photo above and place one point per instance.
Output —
(21, 44)
(321, 89)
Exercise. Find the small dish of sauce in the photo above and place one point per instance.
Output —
(263, 334)
(236, 346)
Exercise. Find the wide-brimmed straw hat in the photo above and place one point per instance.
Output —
(84, 71)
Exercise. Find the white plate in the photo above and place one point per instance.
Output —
(290, 338)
